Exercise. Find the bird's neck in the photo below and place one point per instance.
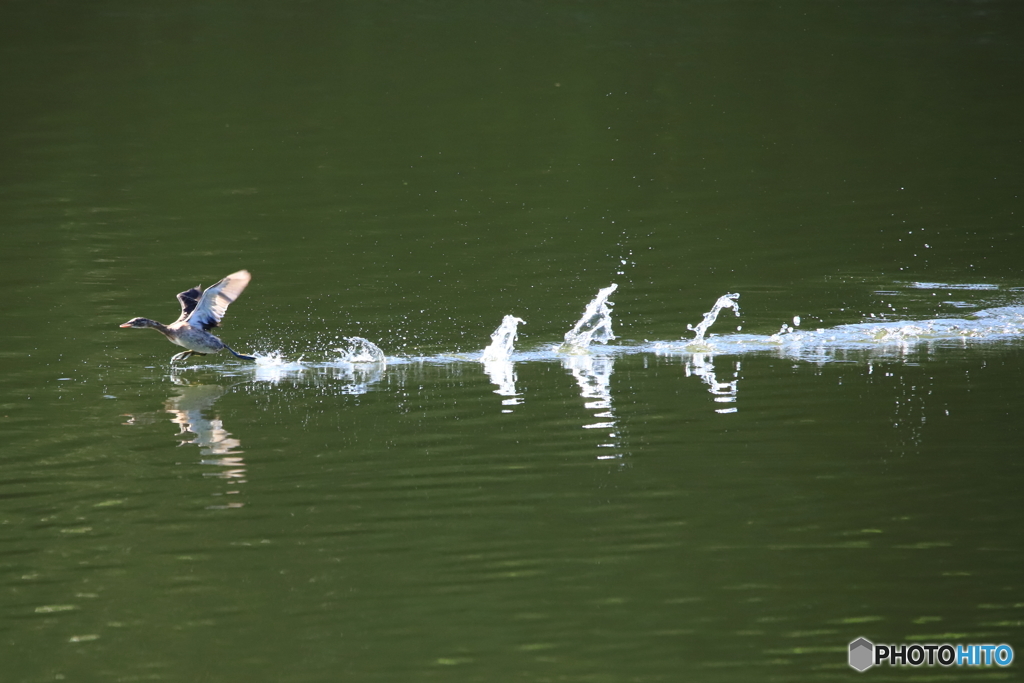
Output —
(159, 327)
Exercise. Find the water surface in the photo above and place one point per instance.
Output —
(411, 173)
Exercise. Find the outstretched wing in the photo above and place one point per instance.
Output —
(188, 299)
(215, 300)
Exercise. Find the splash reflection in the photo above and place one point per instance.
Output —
(702, 365)
(503, 374)
(593, 374)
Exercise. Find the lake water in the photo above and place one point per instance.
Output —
(842, 460)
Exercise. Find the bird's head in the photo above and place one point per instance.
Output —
(138, 322)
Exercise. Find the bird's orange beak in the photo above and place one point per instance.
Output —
(125, 325)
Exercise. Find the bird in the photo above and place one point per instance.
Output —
(201, 311)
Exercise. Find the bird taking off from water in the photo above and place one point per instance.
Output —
(200, 312)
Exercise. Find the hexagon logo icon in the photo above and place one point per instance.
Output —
(862, 653)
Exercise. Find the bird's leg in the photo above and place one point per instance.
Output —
(239, 355)
(183, 355)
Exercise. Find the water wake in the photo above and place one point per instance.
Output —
(362, 364)
(873, 338)
(891, 339)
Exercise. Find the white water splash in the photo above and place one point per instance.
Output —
(276, 359)
(595, 325)
(274, 367)
(360, 350)
(726, 301)
(503, 339)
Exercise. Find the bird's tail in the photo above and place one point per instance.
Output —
(239, 355)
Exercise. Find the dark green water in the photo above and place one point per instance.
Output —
(410, 172)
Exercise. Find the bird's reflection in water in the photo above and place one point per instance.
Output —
(190, 408)
(593, 374)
